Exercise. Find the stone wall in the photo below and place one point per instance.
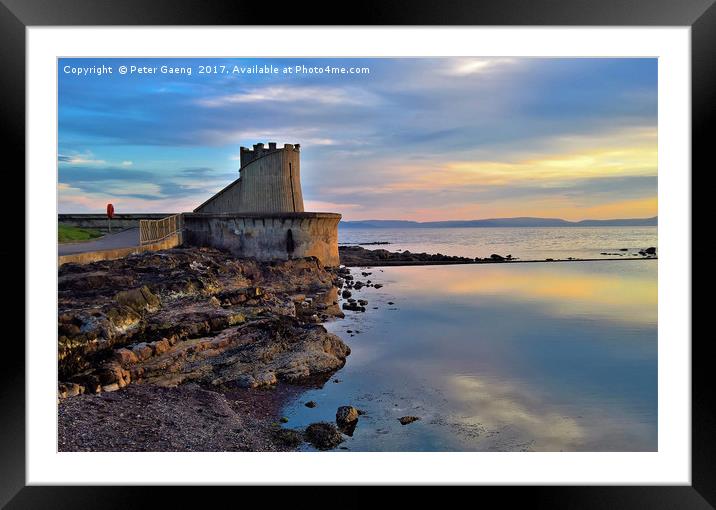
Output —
(277, 236)
(99, 221)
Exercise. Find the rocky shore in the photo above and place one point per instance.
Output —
(357, 256)
(190, 349)
(353, 256)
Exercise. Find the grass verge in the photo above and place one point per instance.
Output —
(69, 234)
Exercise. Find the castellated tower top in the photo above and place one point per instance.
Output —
(269, 182)
(259, 150)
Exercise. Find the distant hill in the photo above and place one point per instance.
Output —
(502, 222)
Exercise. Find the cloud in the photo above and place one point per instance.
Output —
(483, 135)
(319, 205)
(86, 158)
(329, 96)
(465, 67)
(197, 171)
(147, 185)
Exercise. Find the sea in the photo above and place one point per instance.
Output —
(500, 357)
(522, 243)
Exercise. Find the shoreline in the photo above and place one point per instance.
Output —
(486, 262)
(357, 256)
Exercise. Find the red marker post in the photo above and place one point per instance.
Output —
(110, 214)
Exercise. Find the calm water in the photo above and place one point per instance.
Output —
(525, 243)
(519, 357)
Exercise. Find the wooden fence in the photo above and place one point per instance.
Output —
(152, 231)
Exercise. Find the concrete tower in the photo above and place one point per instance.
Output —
(269, 182)
(260, 215)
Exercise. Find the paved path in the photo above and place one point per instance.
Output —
(124, 239)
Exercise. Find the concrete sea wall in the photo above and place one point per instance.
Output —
(267, 236)
(117, 253)
(120, 221)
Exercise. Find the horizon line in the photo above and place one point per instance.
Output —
(518, 218)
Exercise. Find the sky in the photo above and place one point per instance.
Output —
(423, 139)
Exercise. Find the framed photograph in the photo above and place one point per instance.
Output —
(434, 246)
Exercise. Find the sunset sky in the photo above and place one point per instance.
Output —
(418, 139)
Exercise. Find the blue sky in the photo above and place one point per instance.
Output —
(423, 139)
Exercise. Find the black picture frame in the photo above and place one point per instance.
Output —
(17, 15)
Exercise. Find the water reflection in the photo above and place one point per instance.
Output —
(614, 291)
(530, 357)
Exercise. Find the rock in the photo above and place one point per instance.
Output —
(90, 382)
(289, 438)
(254, 292)
(66, 390)
(68, 329)
(346, 415)
(378, 285)
(243, 381)
(251, 381)
(160, 346)
(650, 251)
(346, 294)
(623, 249)
(112, 372)
(311, 404)
(362, 302)
(323, 435)
(125, 356)
(236, 318)
(407, 419)
(139, 300)
(266, 379)
(142, 350)
(175, 333)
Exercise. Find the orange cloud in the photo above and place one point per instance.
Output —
(553, 207)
